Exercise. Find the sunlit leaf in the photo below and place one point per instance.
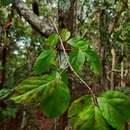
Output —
(52, 40)
(65, 34)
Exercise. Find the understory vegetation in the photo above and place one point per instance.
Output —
(64, 65)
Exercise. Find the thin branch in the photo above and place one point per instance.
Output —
(113, 67)
(67, 59)
(38, 24)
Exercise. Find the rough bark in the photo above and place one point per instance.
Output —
(31, 49)
(4, 48)
(4, 55)
(104, 46)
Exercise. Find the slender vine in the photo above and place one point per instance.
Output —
(67, 59)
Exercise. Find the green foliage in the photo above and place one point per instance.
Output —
(44, 61)
(78, 42)
(52, 40)
(8, 112)
(112, 110)
(50, 91)
(57, 102)
(6, 2)
(65, 34)
(93, 60)
(77, 59)
(5, 93)
(115, 108)
(82, 53)
(85, 116)
(64, 77)
(32, 83)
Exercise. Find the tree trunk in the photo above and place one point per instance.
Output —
(66, 19)
(104, 47)
(3, 63)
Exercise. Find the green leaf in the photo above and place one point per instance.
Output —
(93, 61)
(64, 78)
(32, 83)
(114, 95)
(100, 123)
(52, 39)
(85, 116)
(112, 116)
(31, 90)
(90, 55)
(5, 93)
(78, 42)
(78, 105)
(65, 34)
(9, 112)
(44, 61)
(50, 91)
(115, 108)
(120, 102)
(77, 59)
(6, 2)
(56, 103)
(112, 112)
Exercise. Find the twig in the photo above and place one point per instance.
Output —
(67, 59)
(113, 67)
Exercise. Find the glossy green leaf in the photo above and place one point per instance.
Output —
(78, 42)
(115, 108)
(85, 116)
(120, 102)
(57, 102)
(77, 59)
(50, 91)
(31, 90)
(100, 123)
(44, 61)
(65, 34)
(112, 112)
(52, 40)
(90, 55)
(32, 83)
